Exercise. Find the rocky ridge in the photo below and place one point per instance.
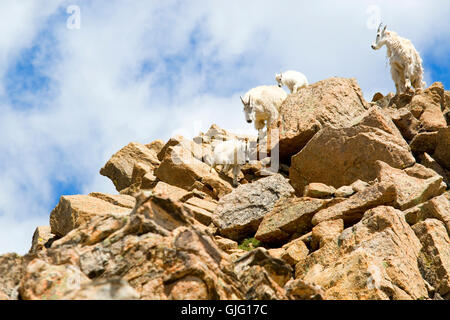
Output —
(360, 209)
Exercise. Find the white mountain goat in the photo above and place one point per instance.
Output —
(231, 154)
(405, 61)
(262, 104)
(294, 80)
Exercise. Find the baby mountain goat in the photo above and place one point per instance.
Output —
(262, 104)
(405, 61)
(231, 154)
(294, 80)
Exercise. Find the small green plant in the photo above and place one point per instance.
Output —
(249, 244)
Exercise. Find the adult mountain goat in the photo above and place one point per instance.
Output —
(231, 154)
(262, 105)
(405, 61)
(294, 80)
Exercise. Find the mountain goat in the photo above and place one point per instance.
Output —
(294, 80)
(405, 61)
(231, 154)
(262, 104)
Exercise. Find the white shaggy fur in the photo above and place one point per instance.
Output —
(262, 104)
(405, 61)
(231, 154)
(294, 80)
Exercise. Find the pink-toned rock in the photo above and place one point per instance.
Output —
(338, 157)
(374, 259)
(334, 101)
(182, 169)
(120, 167)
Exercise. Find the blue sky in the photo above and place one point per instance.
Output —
(145, 70)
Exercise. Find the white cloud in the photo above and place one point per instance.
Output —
(141, 70)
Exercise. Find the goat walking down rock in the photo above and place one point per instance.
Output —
(405, 61)
(262, 105)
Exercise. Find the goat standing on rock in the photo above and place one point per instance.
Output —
(262, 104)
(294, 80)
(405, 61)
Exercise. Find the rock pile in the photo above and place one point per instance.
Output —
(360, 209)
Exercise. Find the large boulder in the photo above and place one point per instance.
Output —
(73, 211)
(120, 167)
(374, 259)
(239, 213)
(338, 157)
(335, 102)
(181, 167)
